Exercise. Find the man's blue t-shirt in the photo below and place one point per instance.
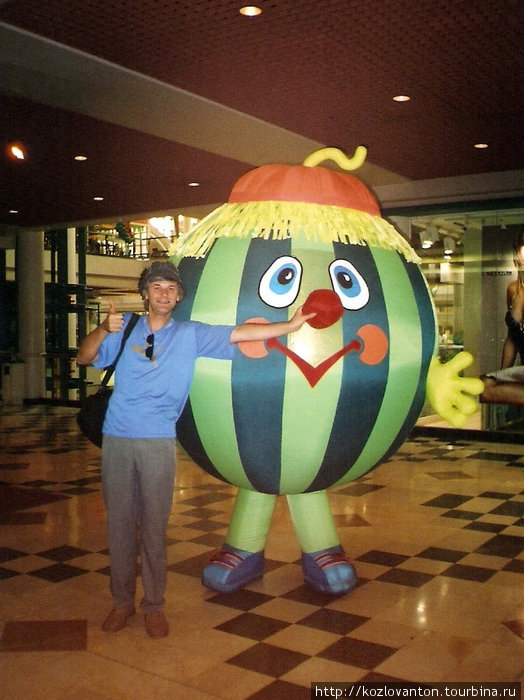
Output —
(149, 395)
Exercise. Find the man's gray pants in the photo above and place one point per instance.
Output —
(138, 481)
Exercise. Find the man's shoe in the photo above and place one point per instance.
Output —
(156, 625)
(117, 619)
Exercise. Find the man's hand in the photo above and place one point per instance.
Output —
(448, 392)
(88, 350)
(262, 330)
(113, 322)
(299, 318)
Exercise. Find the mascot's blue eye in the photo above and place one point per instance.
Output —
(280, 283)
(349, 284)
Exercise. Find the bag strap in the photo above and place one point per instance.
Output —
(127, 331)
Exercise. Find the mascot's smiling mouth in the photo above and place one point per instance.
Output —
(312, 374)
(374, 349)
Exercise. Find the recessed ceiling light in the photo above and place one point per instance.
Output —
(16, 151)
(481, 145)
(13, 211)
(250, 11)
(193, 184)
(98, 198)
(80, 157)
(401, 98)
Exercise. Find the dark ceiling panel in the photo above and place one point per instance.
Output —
(324, 69)
(134, 172)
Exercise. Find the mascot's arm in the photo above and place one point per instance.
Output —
(448, 392)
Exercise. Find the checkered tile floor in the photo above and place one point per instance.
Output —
(436, 536)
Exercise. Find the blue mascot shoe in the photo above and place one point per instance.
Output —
(329, 571)
(231, 568)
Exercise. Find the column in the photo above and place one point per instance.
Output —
(72, 278)
(31, 310)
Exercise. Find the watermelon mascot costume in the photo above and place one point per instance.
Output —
(329, 402)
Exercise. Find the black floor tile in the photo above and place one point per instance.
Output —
(253, 626)
(447, 500)
(78, 491)
(438, 554)
(516, 566)
(492, 456)
(333, 621)
(58, 572)
(383, 558)
(7, 554)
(7, 573)
(461, 515)
(240, 600)
(469, 573)
(359, 489)
(305, 594)
(496, 494)
(210, 539)
(512, 508)
(205, 499)
(63, 553)
(190, 567)
(14, 466)
(201, 513)
(270, 660)
(357, 652)
(502, 546)
(15, 498)
(282, 690)
(405, 577)
(38, 483)
(485, 526)
(207, 525)
(84, 481)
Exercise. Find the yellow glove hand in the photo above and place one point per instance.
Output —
(448, 393)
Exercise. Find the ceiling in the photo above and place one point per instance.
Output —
(160, 93)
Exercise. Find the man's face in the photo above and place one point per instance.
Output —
(162, 296)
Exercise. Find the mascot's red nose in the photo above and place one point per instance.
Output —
(326, 304)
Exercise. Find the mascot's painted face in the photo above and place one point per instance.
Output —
(321, 406)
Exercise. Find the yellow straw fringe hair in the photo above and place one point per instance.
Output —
(281, 220)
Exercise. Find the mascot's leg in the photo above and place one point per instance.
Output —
(241, 559)
(325, 565)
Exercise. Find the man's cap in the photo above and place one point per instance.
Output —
(160, 271)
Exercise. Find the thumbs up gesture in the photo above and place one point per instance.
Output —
(113, 322)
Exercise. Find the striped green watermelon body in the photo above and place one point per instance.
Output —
(267, 425)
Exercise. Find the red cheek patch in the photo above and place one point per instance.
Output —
(255, 349)
(375, 344)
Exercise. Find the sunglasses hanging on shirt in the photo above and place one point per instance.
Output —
(150, 340)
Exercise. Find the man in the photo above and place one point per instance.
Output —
(152, 381)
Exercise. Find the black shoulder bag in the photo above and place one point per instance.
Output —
(93, 408)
